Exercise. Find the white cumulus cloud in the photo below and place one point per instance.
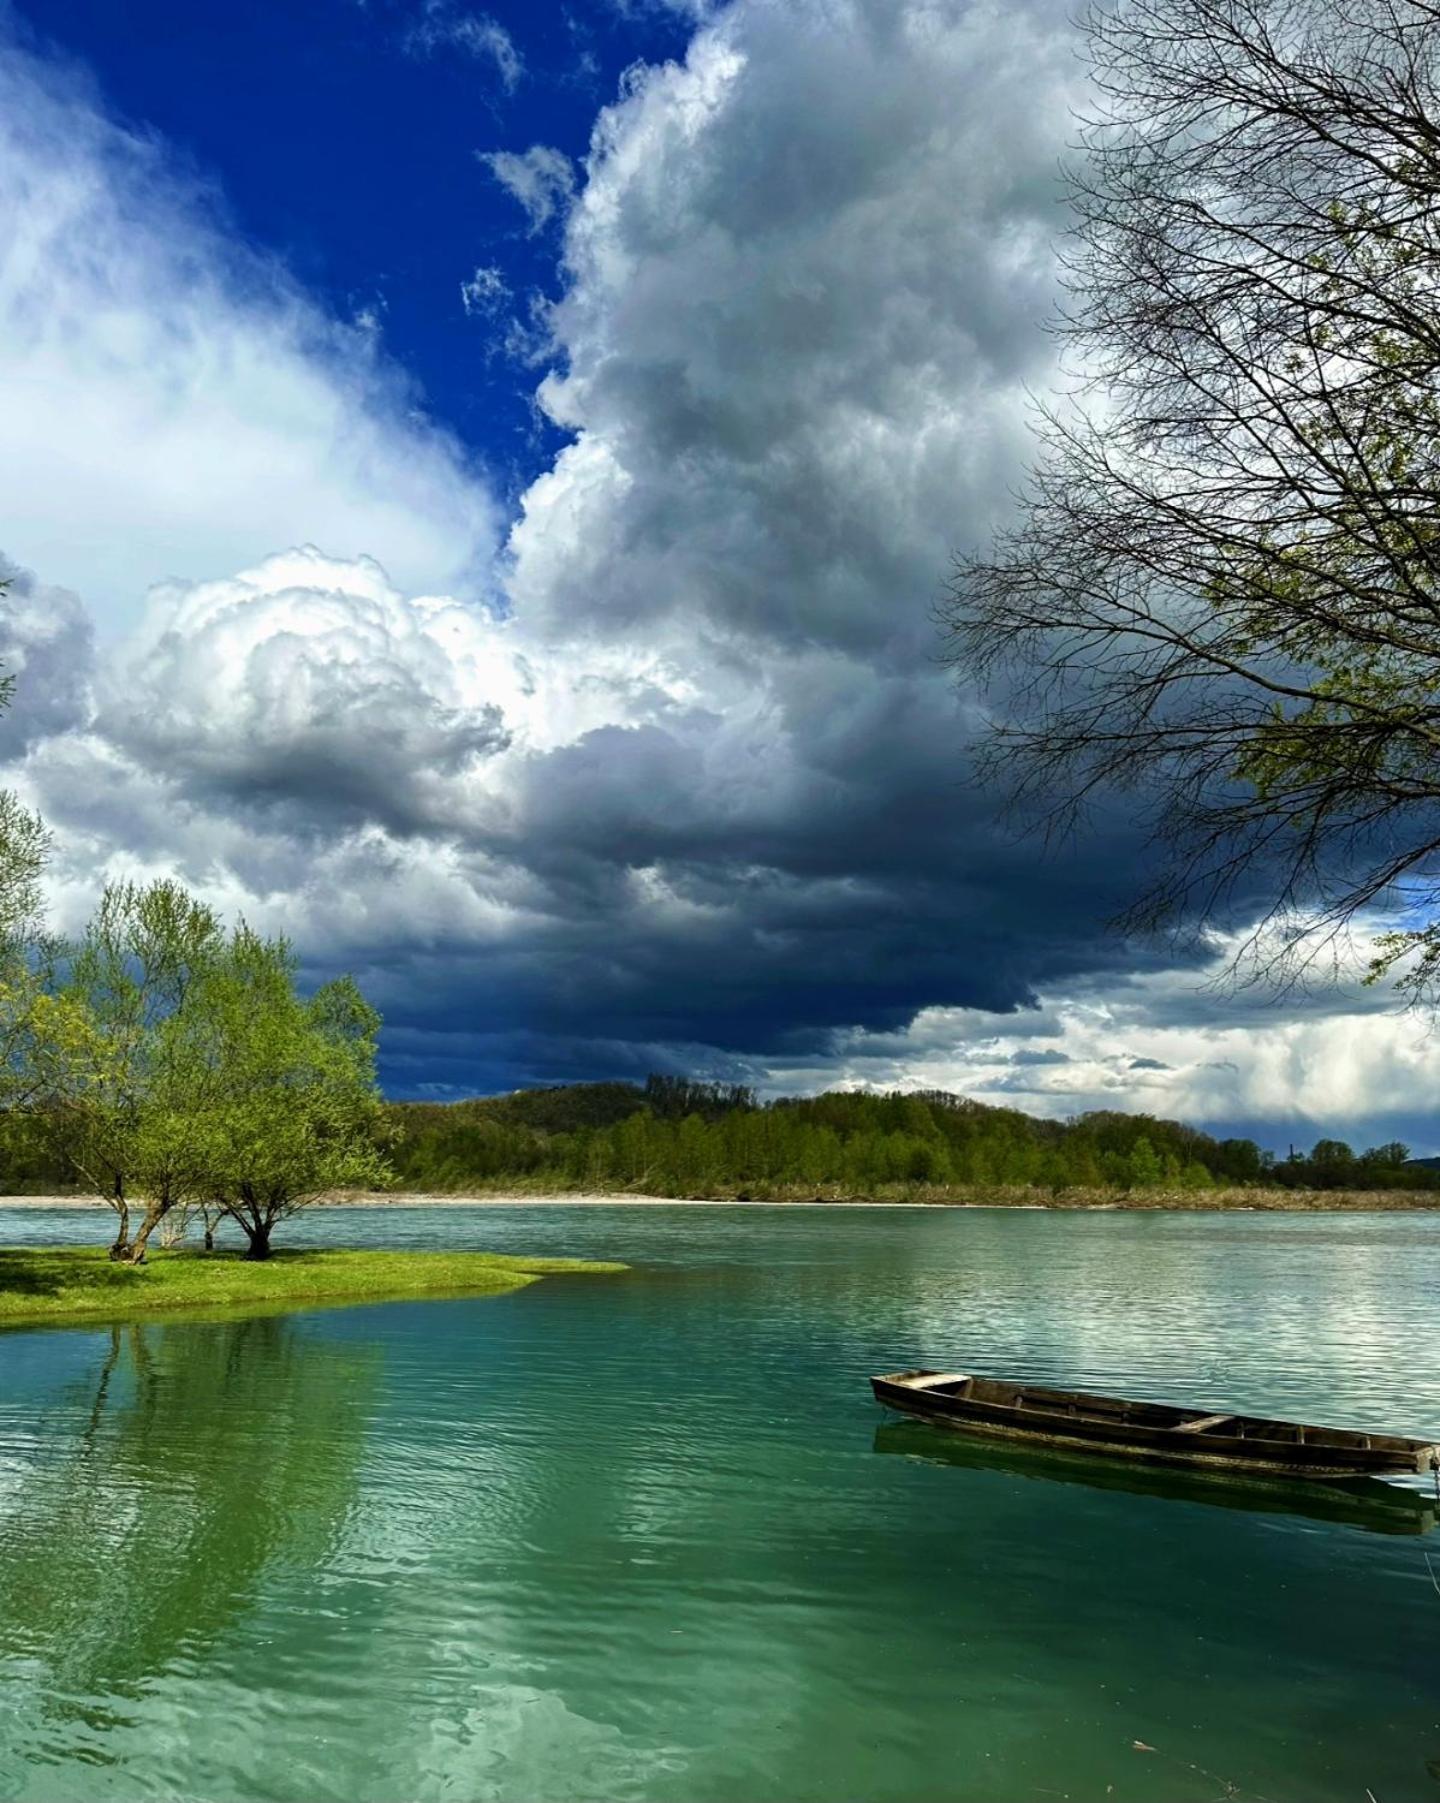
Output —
(690, 791)
(174, 405)
(541, 179)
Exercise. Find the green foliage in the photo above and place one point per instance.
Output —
(290, 1106)
(176, 1065)
(562, 1110)
(1143, 1168)
(829, 1145)
(117, 1070)
(674, 1097)
(25, 948)
(57, 1283)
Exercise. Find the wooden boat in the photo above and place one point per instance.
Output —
(1154, 1432)
(1376, 1505)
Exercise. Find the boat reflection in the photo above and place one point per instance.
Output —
(1371, 1503)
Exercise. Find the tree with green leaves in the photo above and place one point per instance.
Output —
(294, 1111)
(1223, 583)
(178, 1069)
(119, 1066)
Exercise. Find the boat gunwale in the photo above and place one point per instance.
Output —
(1184, 1434)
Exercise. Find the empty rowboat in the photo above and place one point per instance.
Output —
(1154, 1432)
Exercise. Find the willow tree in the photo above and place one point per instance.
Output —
(1223, 582)
(119, 1059)
(295, 1110)
(177, 1067)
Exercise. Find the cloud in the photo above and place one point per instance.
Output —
(506, 847)
(692, 793)
(541, 179)
(443, 25)
(485, 291)
(1182, 1044)
(701, 784)
(49, 651)
(805, 288)
(303, 714)
(174, 404)
(311, 688)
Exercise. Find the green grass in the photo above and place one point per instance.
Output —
(71, 1283)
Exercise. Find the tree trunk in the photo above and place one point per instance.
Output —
(209, 1237)
(153, 1217)
(121, 1249)
(259, 1246)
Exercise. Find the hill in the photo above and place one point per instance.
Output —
(677, 1137)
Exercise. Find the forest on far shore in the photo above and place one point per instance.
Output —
(683, 1138)
(675, 1137)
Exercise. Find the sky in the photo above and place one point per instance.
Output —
(478, 484)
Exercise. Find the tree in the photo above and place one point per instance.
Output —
(178, 1067)
(1224, 579)
(118, 1073)
(26, 949)
(295, 1111)
(1332, 1164)
(1144, 1168)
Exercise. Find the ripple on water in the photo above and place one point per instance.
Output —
(639, 1537)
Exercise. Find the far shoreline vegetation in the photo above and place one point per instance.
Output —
(712, 1141)
(683, 1140)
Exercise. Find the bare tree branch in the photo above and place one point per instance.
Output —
(1223, 584)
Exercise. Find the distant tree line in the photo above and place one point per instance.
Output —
(673, 1137)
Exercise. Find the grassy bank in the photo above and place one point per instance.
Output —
(44, 1284)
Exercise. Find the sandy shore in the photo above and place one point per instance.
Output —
(1274, 1202)
(409, 1199)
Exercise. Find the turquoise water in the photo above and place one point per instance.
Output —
(648, 1537)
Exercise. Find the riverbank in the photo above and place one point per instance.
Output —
(1099, 1201)
(1094, 1201)
(41, 1285)
(1273, 1201)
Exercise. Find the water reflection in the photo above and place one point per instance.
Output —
(188, 1463)
(632, 1540)
(1360, 1502)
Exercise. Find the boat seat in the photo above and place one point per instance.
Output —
(1198, 1427)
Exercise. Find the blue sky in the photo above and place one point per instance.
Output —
(346, 138)
(477, 483)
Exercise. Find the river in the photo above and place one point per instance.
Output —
(649, 1537)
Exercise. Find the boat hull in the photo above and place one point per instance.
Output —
(1041, 1420)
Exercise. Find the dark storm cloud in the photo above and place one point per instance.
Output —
(696, 796)
(803, 286)
(48, 648)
